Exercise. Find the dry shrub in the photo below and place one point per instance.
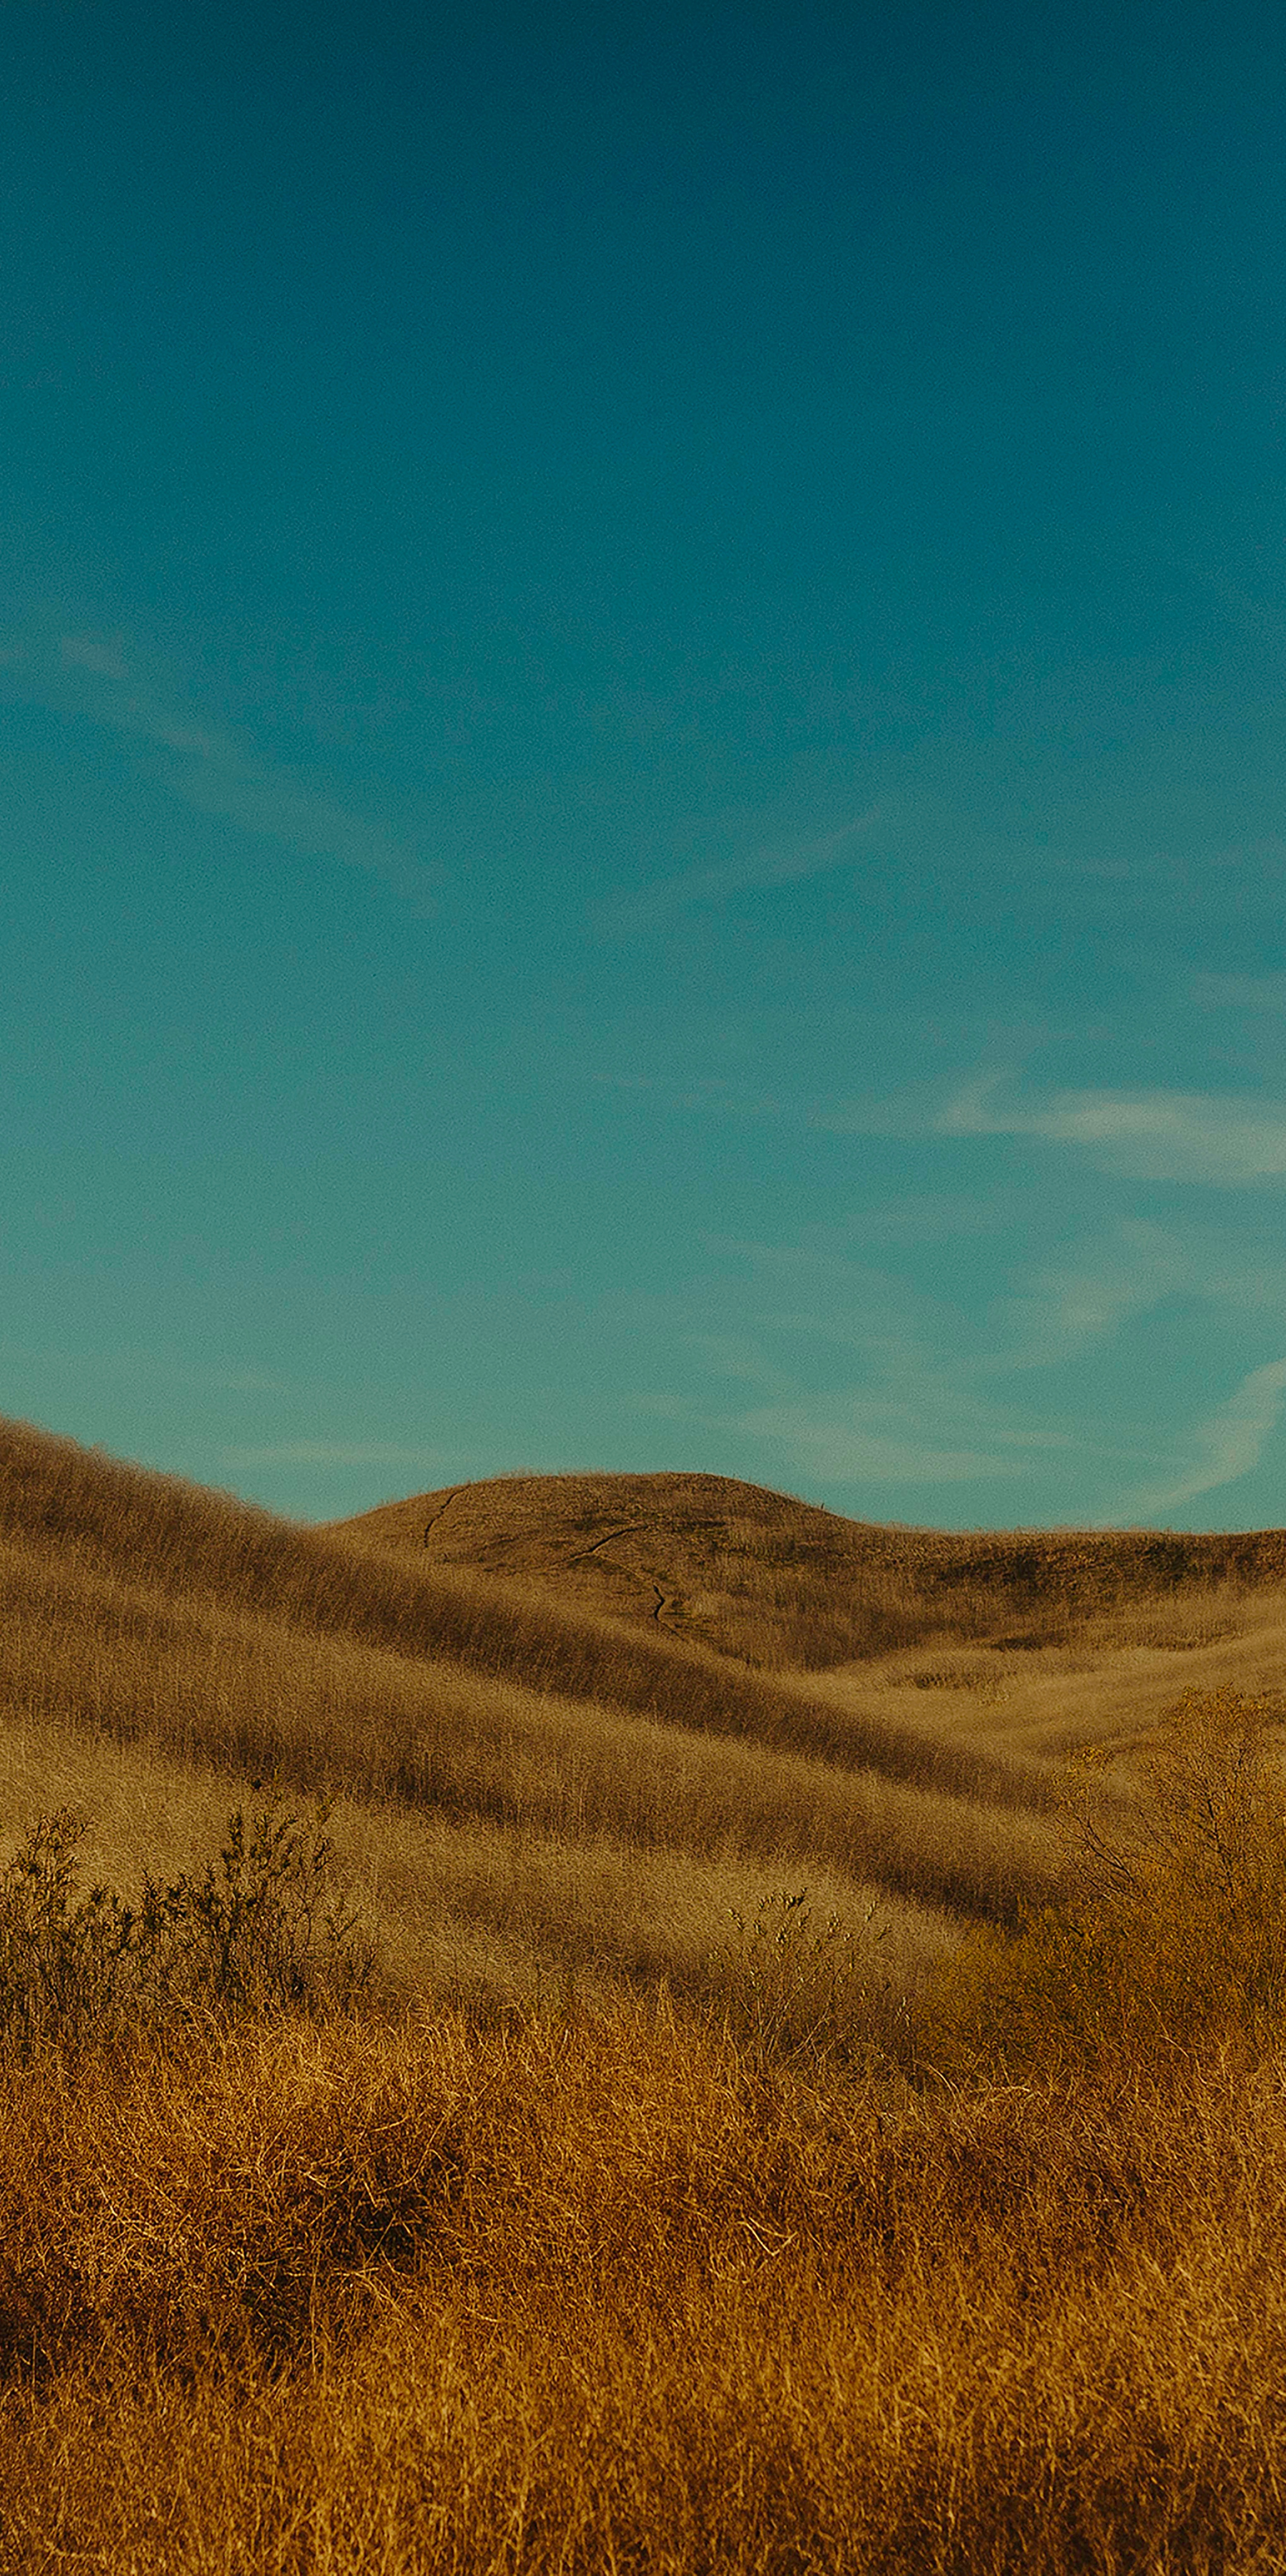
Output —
(261, 1929)
(808, 1990)
(1174, 1928)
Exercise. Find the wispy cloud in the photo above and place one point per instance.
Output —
(156, 1367)
(1066, 1308)
(913, 1109)
(929, 1394)
(708, 1093)
(921, 1412)
(102, 654)
(1254, 617)
(655, 905)
(90, 677)
(1225, 1446)
(848, 1445)
(1229, 1139)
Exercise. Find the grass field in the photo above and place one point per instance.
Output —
(776, 2136)
(785, 1585)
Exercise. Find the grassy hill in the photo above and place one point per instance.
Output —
(785, 1584)
(528, 1785)
(629, 2229)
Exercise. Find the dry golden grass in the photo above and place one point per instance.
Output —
(590, 2297)
(625, 2235)
(785, 1584)
(523, 1788)
(119, 1553)
(467, 1908)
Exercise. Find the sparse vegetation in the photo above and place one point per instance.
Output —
(1173, 1933)
(807, 2128)
(805, 1990)
(261, 1929)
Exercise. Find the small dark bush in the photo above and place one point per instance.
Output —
(262, 1930)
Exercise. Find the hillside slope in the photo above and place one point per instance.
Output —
(528, 1788)
(525, 1790)
(84, 1522)
(635, 2171)
(784, 1583)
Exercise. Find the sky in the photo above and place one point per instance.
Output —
(641, 748)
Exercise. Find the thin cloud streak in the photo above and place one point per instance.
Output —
(828, 1446)
(1239, 992)
(656, 905)
(1227, 1140)
(946, 1398)
(1069, 1308)
(1228, 1444)
(90, 679)
(155, 1367)
(917, 1418)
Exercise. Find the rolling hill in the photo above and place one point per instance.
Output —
(675, 1809)
(534, 1770)
(786, 1584)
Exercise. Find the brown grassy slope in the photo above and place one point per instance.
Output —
(604, 2285)
(461, 1906)
(527, 1787)
(505, 1827)
(783, 1583)
(76, 1513)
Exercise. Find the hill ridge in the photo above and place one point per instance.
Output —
(538, 1782)
(784, 1583)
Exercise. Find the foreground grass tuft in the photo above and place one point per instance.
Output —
(647, 2291)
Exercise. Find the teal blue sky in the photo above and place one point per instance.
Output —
(641, 686)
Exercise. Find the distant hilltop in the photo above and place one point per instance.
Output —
(781, 1582)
